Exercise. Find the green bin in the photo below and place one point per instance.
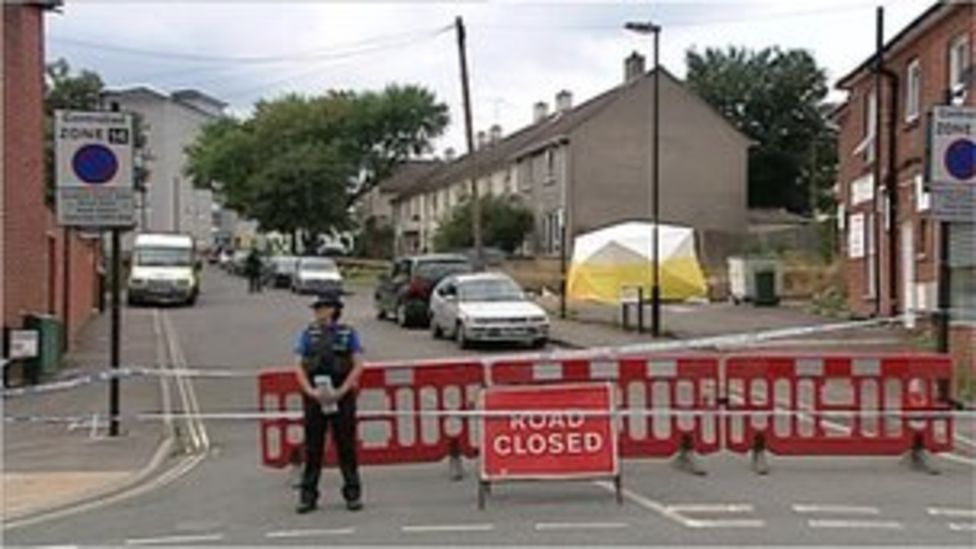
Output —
(766, 289)
(48, 328)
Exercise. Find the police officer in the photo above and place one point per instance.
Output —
(330, 363)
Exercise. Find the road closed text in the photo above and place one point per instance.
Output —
(548, 434)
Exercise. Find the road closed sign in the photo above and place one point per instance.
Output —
(94, 156)
(952, 163)
(548, 432)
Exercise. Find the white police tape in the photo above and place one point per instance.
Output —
(607, 352)
(905, 415)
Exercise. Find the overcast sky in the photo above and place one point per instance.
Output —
(519, 52)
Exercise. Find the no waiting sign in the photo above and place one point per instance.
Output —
(94, 168)
(952, 163)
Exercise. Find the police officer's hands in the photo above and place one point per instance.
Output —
(328, 396)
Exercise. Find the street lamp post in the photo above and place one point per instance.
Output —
(654, 30)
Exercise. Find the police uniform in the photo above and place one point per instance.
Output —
(327, 352)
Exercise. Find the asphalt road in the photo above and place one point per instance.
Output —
(221, 495)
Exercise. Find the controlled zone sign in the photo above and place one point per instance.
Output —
(952, 163)
(534, 432)
(94, 174)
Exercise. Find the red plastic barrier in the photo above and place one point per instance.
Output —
(682, 383)
(850, 385)
(392, 428)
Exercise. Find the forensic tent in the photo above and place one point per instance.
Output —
(608, 261)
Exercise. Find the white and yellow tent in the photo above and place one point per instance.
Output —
(607, 261)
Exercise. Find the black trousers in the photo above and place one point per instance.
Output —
(343, 425)
(253, 283)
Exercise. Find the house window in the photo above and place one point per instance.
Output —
(958, 65)
(922, 197)
(869, 122)
(553, 231)
(923, 231)
(871, 264)
(913, 90)
(855, 236)
(550, 166)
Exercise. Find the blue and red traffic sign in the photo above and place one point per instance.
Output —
(95, 164)
(960, 159)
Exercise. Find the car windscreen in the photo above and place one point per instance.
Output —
(490, 290)
(319, 266)
(434, 271)
(163, 257)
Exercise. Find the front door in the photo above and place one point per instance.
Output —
(908, 272)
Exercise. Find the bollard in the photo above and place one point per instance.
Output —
(640, 309)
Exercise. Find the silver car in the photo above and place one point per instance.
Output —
(486, 307)
(316, 275)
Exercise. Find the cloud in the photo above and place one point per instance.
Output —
(519, 53)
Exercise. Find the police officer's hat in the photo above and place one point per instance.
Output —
(328, 299)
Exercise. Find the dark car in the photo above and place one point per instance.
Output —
(404, 293)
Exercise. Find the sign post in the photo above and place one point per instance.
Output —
(548, 432)
(951, 170)
(95, 190)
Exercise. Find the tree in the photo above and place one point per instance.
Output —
(64, 90)
(775, 97)
(506, 223)
(299, 163)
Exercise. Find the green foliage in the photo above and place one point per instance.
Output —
(67, 91)
(506, 222)
(300, 162)
(775, 97)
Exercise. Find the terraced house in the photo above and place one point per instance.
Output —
(581, 167)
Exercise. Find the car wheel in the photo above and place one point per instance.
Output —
(540, 343)
(461, 337)
(380, 313)
(401, 316)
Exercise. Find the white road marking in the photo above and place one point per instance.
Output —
(957, 458)
(174, 539)
(712, 508)
(726, 523)
(845, 509)
(416, 529)
(962, 527)
(833, 523)
(670, 513)
(965, 440)
(951, 512)
(579, 525)
(310, 533)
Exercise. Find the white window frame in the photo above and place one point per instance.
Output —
(913, 90)
(958, 63)
(923, 199)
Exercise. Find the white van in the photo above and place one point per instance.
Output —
(164, 269)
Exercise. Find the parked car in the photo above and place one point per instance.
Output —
(486, 307)
(404, 293)
(316, 274)
(225, 259)
(237, 261)
(283, 268)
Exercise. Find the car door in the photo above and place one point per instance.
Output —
(450, 308)
(439, 304)
(399, 282)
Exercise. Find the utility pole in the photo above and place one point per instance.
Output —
(876, 217)
(655, 30)
(469, 137)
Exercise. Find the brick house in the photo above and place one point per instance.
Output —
(891, 261)
(45, 268)
(582, 167)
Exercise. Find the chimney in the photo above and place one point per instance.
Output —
(633, 66)
(482, 139)
(564, 101)
(539, 111)
(449, 154)
(495, 134)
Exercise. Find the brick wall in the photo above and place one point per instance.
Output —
(25, 219)
(33, 267)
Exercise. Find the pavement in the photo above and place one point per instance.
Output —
(217, 493)
(48, 465)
